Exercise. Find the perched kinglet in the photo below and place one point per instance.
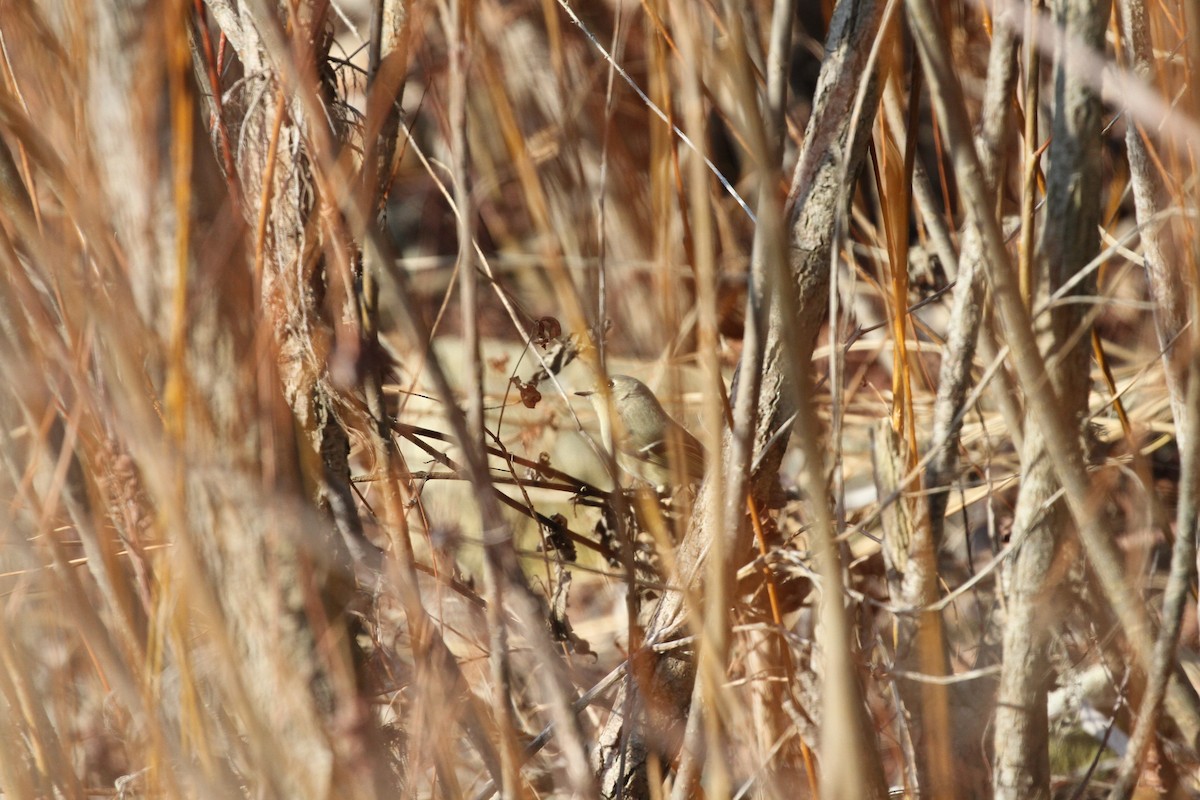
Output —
(646, 438)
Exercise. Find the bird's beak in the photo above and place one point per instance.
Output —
(588, 393)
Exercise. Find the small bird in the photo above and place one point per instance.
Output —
(646, 438)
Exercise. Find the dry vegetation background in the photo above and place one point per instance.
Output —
(299, 501)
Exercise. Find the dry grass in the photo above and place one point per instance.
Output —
(187, 609)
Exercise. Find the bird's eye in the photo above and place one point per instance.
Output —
(612, 384)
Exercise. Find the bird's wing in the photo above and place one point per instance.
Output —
(658, 452)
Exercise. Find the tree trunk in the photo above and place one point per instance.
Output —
(1068, 242)
(650, 709)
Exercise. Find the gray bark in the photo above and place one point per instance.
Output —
(1162, 275)
(1170, 295)
(1068, 242)
(963, 329)
(919, 586)
(785, 314)
(1053, 423)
